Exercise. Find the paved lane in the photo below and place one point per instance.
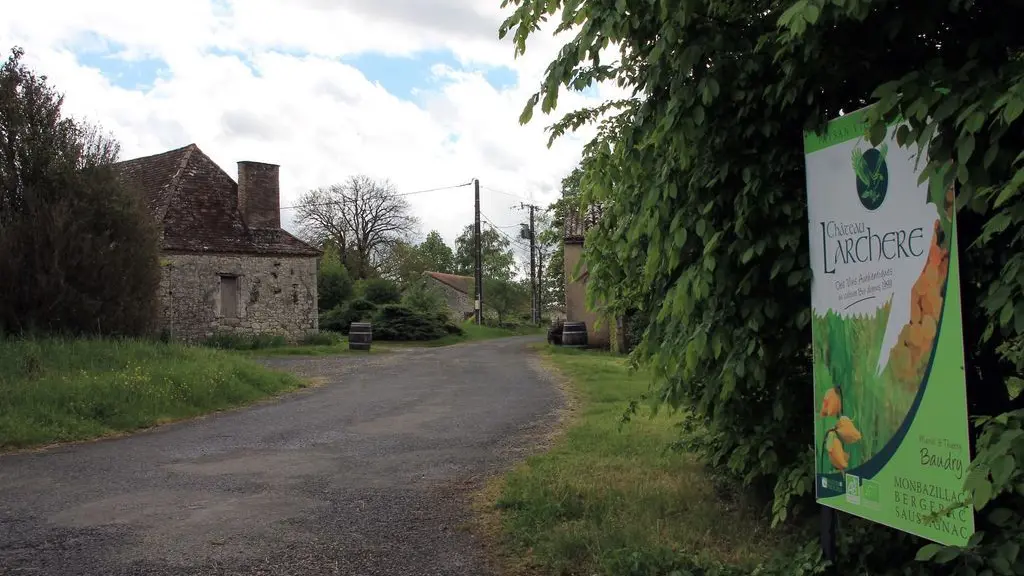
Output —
(368, 474)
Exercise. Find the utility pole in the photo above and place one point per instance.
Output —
(540, 284)
(535, 300)
(533, 269)
(478, 279)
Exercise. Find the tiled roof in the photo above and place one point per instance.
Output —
(196, 204)
(461, 283)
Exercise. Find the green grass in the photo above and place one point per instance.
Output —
(304, 350)
(611, 500)
(54, 390)
(323, 343)
(310, 350)
(337, 344)
(471, 333)
(474, 332)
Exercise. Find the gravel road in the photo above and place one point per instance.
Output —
(368, 474)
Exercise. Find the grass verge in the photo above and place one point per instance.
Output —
(610, 500)
(311, 350)
(56, 390)
(471, 333)
(318, 344)
(326, 344)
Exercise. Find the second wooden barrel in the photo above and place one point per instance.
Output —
(574, 334)
(555, 333)
(360, 335)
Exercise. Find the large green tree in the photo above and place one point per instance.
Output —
(78, 250)
(405, 262)
(701, 174)
(498, 259)
(334, 285)
(506, 297)
(437, 255)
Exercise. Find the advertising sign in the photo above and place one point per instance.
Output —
(891, 424)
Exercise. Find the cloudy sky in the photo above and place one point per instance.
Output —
(420, 92)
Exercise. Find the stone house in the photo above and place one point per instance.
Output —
(227, 266)
(456, 291)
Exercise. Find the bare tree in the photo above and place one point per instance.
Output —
(363, 217)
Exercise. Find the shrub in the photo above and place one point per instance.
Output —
(332, 320)
(451, 327)
(424, 298)
(635, 322)
(333, 284)
(322, 338)
(231, 341)
(398, 322)
(78, 252)
(380, 291)
(340, 318)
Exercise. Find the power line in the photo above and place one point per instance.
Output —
(436, 189)
(347, 199)
(498, 228)
(518, 247)
(506, 193)
(514, 242)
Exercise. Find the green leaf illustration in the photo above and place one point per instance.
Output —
(860, 167)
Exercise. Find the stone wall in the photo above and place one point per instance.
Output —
(274, 295)
(459, 304)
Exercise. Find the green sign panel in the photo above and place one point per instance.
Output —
(890, 421)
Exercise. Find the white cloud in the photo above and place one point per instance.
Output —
(235, 86)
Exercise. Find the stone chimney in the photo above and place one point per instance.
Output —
(259, 194)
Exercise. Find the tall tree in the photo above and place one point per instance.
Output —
(506, 297)
(437, 255)
(406, 262)
(702, 171)
(79, 253)
(498, 259)
(334, 286)
(403, 264)
(363, 217)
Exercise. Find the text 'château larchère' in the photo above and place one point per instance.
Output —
(857, 243)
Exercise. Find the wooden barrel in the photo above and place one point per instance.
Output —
(574, 334)
(555, 333)
(360, 335)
